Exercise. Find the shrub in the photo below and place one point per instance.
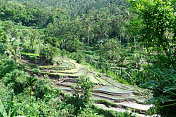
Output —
(32, 58)
(164, 90)
(52, 40)
(6, 66)
(78, 56)
(81, 102)
(110, 49)
(16, 80)
(48, 52)
(42, 88)
(88, 113)
(9, 108)
(111, 113)
(73, 44)
(86, 87)
(24, 105)
(3, 48)
(35, 71)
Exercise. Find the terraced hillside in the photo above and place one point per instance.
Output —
(67, 72)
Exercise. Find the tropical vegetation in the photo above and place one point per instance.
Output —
(132, 41)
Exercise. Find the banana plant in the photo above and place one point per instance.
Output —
(2, 110)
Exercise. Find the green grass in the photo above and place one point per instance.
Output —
(31, 66)
(61, 74)
(94, 80)
(72, 71)
(55, 67)
(101, 81)
(105, 102)
(111, 113)
(29, 54)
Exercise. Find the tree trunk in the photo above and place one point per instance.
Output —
(135, 42)
(120, 40)
(121, 70)
(88, 37)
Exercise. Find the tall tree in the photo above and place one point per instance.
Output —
(156, 19)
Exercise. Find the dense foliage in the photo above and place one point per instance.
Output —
(27, 14)
(157, 30)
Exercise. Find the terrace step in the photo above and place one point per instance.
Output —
(135, 107)
(66, 84)
(61, 75)
(55, 67)
(71, 71)
(118, 99)
(113, 91)
(119, 110)
(68, 89)
(73, 80)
